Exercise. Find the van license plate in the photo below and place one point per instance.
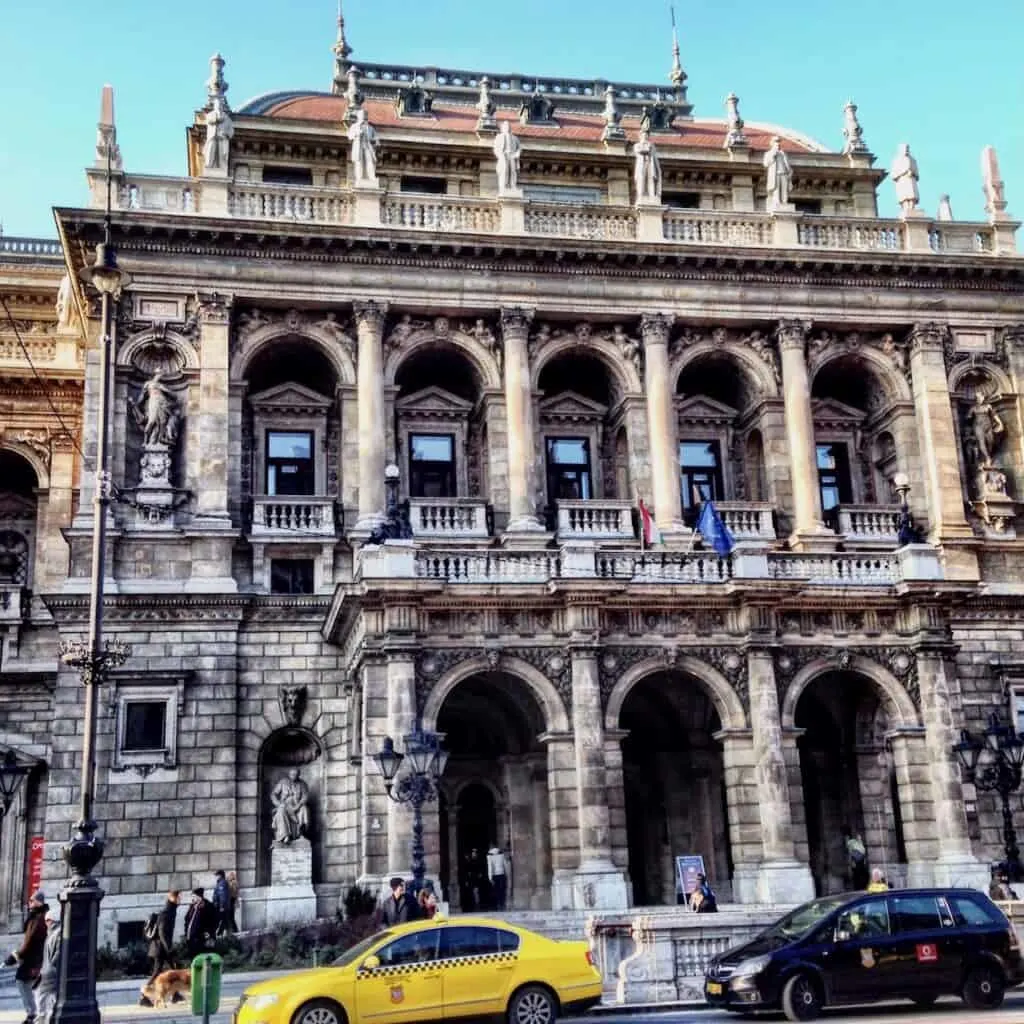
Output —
(714, 988)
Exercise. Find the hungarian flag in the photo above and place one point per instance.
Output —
(714, 531)
(649, 532)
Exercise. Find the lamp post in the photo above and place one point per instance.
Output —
(11, 774)
(907, 532)
(424, 760)
(396, 524)
(80, 899)
(993, 762)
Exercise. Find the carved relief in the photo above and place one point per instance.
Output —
(293, 703)
(899, 661)
(337, 328)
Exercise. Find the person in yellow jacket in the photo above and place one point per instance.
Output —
(878, 882)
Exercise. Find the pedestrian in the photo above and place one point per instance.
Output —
(471, 882)
(427, 902)
(222, 902)
(29, 955)
(233, 890)
(160, 932)
(878, 882)
(200, 920)
(703, 899)
(497, 875)
(856, 857)
(399, 907)
(999, 888)
(49, 970)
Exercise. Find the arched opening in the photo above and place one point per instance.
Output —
(674, 785)
(18, 508)
(496, 791)
(848, 779)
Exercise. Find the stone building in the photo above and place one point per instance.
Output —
(541, 301)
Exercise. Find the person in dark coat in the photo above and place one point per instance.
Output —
(49, 971)
(29, 955)
(161, 946)
(399, 907)
(222, 901)
(200, 920)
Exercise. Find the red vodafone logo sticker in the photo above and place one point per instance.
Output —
(927, 953)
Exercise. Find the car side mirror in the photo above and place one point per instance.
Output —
(371, 963)
(842, 935)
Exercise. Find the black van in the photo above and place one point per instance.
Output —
(915, 944)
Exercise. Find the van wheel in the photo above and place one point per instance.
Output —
(984, 989)
(319, 1011)
(532, 1005)
(801, 999)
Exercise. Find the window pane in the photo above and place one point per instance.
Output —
(568, 451)
(508, 941)
(867, 919)
(699, 453)
(281, 445)
(432, 447)
(829, 497)
(291, 576)
(144, 723)
(915, 913)
(826, 456)
(975, 913)
(417, 948)
(470, 941)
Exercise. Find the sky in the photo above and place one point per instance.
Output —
(943, 75)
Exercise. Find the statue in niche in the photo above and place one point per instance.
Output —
(157, 412)
(507, 152)
(293, 703)
(289, 802)
(646, 168)
(363, 150)
(986, 431)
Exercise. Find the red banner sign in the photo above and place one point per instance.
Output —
(35, 865)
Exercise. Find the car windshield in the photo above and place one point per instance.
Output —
(360, 949)
(799, 922)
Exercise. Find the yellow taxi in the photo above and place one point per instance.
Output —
(435, 970)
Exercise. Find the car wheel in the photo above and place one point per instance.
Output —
(532, 1005)
(924, 1001)
(801, 999)
(984, 989)
(319, 1011)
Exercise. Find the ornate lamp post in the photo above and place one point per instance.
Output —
(396, 524)
(76, 994)
(11, 774)
(424, 761)
(907, 533)
(994, 762)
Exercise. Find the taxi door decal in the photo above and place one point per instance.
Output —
(397, 993)
(867, 957)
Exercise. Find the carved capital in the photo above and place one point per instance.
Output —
(515, 321)
(655, 327)
(213, 308)
(370, 314)
(792, 334)
(927, 337)
(1013, 336)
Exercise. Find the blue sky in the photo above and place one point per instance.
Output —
(947, 77)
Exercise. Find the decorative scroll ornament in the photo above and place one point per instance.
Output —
(292, 700)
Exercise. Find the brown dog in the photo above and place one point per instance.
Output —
(164, 987)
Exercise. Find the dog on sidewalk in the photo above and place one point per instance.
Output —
(168, 987)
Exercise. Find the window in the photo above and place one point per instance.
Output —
(915, 913)
(575, 194)
(458, 941)
(432, 466)
(418, 948)
(508, 941)
(291, 576)
(869, 919)
(700, 472)
(430, 186)
(681, 200)
(971, 913)
(807, 205)
(568, 469)
(288, 175)
(290, 468)
(833, 476)
(145, 725)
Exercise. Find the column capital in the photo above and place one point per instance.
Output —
(515, 320)
(927, 337)
(213, 308)
(370, 312)
(792, 333)
(655, 327)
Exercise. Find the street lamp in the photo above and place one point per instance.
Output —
(11, 774)
(994, 762)
(80, 899)
(425, 761)
(907, 532)
(396, 524)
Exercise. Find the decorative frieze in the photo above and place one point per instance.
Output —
(900, 662)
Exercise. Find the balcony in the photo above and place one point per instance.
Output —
(833, 570)
(290, 203)
(293, 518)
(748, 520)
(488, 566)
(869, 525)
(595, 520)
(455, 519)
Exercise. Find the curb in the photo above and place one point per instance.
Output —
(646, 1009)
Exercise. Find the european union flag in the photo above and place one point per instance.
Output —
(714, 531)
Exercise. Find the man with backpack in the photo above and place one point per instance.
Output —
(159, 932)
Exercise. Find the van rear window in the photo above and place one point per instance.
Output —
(974, 913)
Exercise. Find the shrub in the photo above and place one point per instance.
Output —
(359, 902)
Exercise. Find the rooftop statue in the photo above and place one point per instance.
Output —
(646, 169)
(219, 131)
(507, 152)
(363, 151)
(779, 175)
(905, 177)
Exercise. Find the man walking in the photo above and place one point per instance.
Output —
(399, 907)
(49, 971)
(198, 922)
(222, 902)
(161, 942)
(497, 875)
(857, 858)
(29, 955)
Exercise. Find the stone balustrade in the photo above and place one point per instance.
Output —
(850, 233)
(605, 223)
(488, 566)
(289, 202)
(30, 247)
(748, 520)
(836, 569)
(595, 520)
(297, 517)
(879, 524)
(664, 566)
(447, 213)
(158, 194)
(960, 238)
(706, 227)
(455, 518)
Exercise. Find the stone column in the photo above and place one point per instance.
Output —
(809, 532)
(51, 561)
(214, 413)
(369, 331)
(739, 766)
(654, 330)
(598, 883)
(373, 803)
(944, 490)
(910, 764)
(540, 898)
(781, 878)
(521, 840)
(562, 817)
(515, 326)
(401, 690)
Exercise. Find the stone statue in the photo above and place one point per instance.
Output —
(987, 430)
(507, 152)
(905, 177)
(219, 131)
(646, 169)
(65, 303)
(293, 703)
(992, 184)
(779, 175)
(157, 412)
(630, 348)
(853, 135)
(290, 807)
(363, 151)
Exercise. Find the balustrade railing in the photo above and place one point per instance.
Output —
(488, 566)
(159, 194)
(296, 516)
(38, 247)
(604, 223)
(664, 567)
(748, 520)
(595, 520)
(838, 569)
(865, 523)
(846, 233)
(449, 213)
(960, 238)
(457, 518)
(289, 202)
(707, 227)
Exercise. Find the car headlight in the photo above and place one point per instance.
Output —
(261, 1001)
(756, 964)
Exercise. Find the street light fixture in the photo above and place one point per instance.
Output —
(425, 760)
(907, 532)
(396, 524)
(11, 775)
(994, 762)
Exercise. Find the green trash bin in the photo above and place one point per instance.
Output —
(206, 972)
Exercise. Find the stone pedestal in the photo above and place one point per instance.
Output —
(919, 562)
(155, 491)
(784, 882)
(366, 204)
(599, 885)
(291, 898)
(392, 560)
